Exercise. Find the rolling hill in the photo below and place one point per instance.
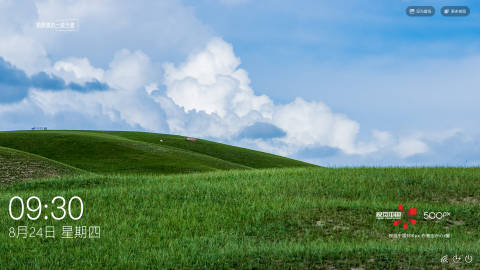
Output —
(139, 153)
(17, 165)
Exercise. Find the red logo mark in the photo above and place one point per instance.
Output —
(410, 212)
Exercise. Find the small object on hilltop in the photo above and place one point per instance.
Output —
(39, 128)
(191, 139)
(161, 140)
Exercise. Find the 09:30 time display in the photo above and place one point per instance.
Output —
(34, 206)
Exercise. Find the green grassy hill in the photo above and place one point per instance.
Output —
(307, 218)
(135, 152)
(17, 166)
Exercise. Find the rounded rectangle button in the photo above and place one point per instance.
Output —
(455, 11)
(420, 11)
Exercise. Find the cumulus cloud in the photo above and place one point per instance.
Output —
(123, 107)
(451, 148)
(211, 81)
(15, 83)
(77, 70)
(16, 47)
(123, 98)
(24, 52)
(418, 142)
(130, 70)
(410, 146)
(314, 124)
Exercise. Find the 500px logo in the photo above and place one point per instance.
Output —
(435, 215)
(410, 217)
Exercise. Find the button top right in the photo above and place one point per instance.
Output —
(455, 11)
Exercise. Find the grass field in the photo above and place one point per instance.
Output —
(270, 218)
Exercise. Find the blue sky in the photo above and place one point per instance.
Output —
(337, 83)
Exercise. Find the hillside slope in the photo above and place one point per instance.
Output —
(17, 166)
(133, 152)
(246, 157)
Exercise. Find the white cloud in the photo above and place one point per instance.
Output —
(410, 146)
(24, 52)
(77, 70)
(20, 49)
(211, 81)
(310, 124)
(129, 75)
(133, 108)
(418, 142)
(130, 70)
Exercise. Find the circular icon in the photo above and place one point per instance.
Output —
(468, 258)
